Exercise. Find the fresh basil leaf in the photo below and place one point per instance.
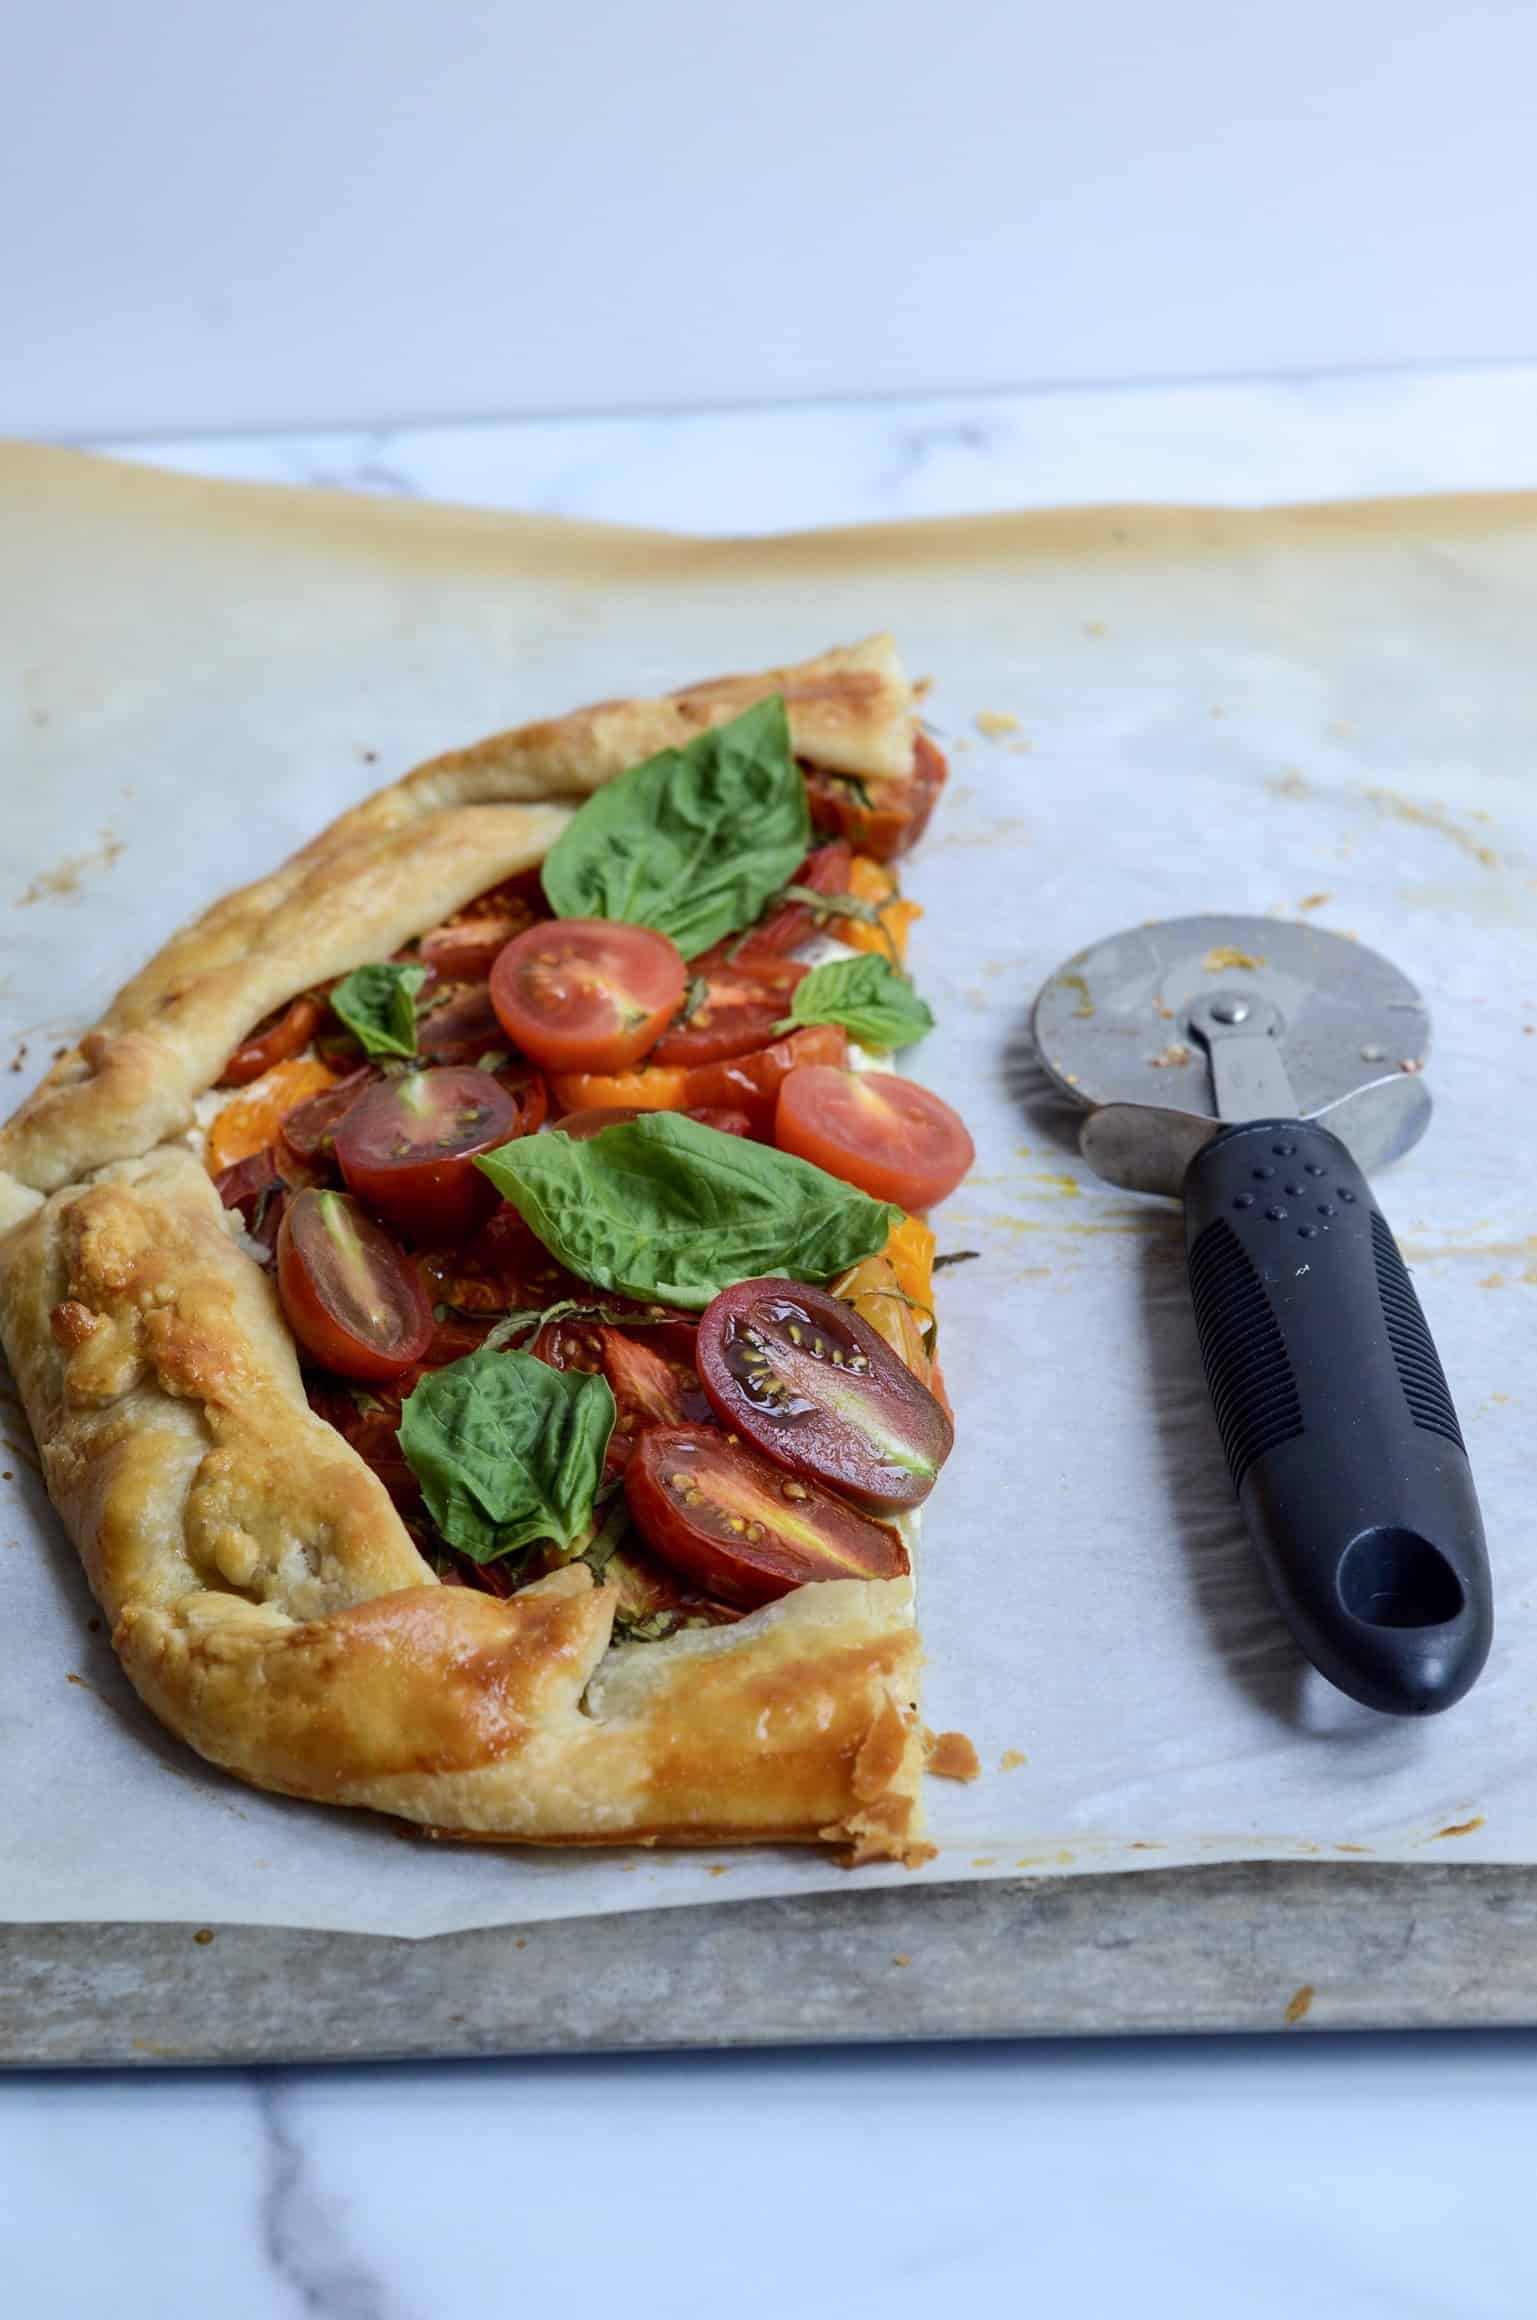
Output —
(507, 1450)
(664, 1208)
(693, 842)
(600, 1548)
(874, 1004)
(377, 1004)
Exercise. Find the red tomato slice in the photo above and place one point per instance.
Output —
(255, 1187)
(738, 1012)
(826, 871)
(892, 1138)
(307, 1136)
(897, 814)
(801, 1377)
(651, 1372)
(407, 1148)
(580, 1125)
(461, 1028)
(745, 1530)
(502, 1270)
(744, 1083)
(285, 1033)
(353, 1298)
(464, 947)
(372, 1433)
(587, 994)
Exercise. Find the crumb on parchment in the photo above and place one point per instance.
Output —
(1170, 1058)
(995, 723)
(1012, 1759)
(1299, 2001)
(951, 1756)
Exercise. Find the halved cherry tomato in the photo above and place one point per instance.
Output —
(818, 1391)
(587, 994)
(789, 924)
(249, 1122)
(353, 1298)
(895, 1140)
(651, 1372)
(744, 1083)
(898, 812)
(738, 1012)
(461, 1027)
(745, 1530)
(307, 1136)
(257, 1190)
(407, 1148)
(502, 1270)
(580, 1125)
(875, 1293)
(465, 947)
(286, 1031)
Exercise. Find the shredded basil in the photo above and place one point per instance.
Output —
(693, 842)
(507, 1450)
(956, 1257)
(665, 1209)
(378, 1006)
(875, 1005)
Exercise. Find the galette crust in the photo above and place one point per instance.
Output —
(264, 1597)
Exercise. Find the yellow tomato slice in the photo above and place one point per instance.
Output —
(248, 1122)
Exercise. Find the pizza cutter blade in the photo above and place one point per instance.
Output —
(1257, 1068)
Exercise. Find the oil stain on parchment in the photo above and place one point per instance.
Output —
(66, 876)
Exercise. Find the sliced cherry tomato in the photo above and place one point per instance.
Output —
(651, 1372)
(587, 994)
(370, 1422)
(737, 1013)
(897, 813)
(788, 924)
(353, 1298)
(502, 1270)
(258, 1191)
(744, 1083)
(250, 1121)
(815, 1388)
(892, 1138)
(877, 1296)
(461, 1027)
(745, 1530)
(580, 1125)
(407, 1149)
(284, 1033)
(465, 949)
(307, 1136)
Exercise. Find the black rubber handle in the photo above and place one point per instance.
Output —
(1340, 1434)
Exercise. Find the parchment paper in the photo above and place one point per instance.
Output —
(1326, 710)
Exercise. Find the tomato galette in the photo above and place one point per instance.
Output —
(473, 1296)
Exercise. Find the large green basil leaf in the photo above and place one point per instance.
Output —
(875, 1005)
(665, 1208)
(695, 841)
(507, 1450)
(378, 1006)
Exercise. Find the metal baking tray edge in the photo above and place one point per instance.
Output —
(1254, 1946)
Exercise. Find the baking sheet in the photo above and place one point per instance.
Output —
(1214, 710)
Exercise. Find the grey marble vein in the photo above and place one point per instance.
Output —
(304, 2230)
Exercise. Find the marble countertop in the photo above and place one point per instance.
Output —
(1369, 2178)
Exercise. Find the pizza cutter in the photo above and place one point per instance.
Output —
(1258, 1069)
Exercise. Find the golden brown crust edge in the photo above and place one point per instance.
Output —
(265, 1599)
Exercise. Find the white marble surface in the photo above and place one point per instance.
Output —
(1363, 2180)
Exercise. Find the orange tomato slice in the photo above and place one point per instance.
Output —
(248, 1122)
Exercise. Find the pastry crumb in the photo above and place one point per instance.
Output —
(1170, 1058)
(1224, 960)
(1461, 1828)
(953, 1757)
(1313, 901)
(995, 723)
(983, 1860)
(901, 1958)
(1012, 1759)
(203, 1936)
(1299, 2001)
